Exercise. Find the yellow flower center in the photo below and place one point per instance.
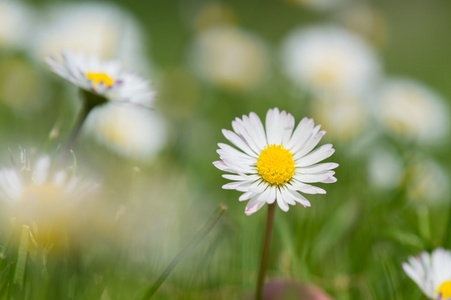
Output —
(275, 164)
(97, 78)
(45, 193)
(445, 289)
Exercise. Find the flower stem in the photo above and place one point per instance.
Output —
(265, 251)
(76, 130)
(191, 244)
(89, 101)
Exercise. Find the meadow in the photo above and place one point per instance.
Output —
(105, 180)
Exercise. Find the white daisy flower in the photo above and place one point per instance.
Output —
(230, 58)
(277, 163)
(106, 79)
(329, 59)
(428, 181)
(99, 29)
(409, 109)
(432, 273)
(319, 5)
(343, 116)
(51, 202)
(133, 133)
(385, 168)
(16, 19)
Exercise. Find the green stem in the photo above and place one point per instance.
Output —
(265, 251)
(76, 130)
(89, 101)
(191, 244)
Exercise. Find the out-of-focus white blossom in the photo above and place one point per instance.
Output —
(97, 29)
(319, 5)
(37, 195)
(17, 21)
(344, 117)
(412, 111)
(230, 58)
(428, 182)
(328, 59)
(384, 168)
(134, 133)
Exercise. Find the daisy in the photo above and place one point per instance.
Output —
(344, 117)
(412, 111)
(328, 59)
(432, 273)
(230, 58)
(133, 133)
(277, 163)
(99, 29)
(106, 79)
(41, 197)
(16, 19)
(319, 5)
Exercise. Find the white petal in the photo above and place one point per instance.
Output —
(288, 127)
(309, 144)
(301, 134)
(305, 188)
(41, 169)
(281, 202)
(310, 178)
(239, 127)
(272, 121)
(315, 156)
(252, 206)
(318, 168)
(222, 166)
(237, 141)
(257, 129)
(268, 195)
(246, 196)
(286, 195)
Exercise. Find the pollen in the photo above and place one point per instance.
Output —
(444, 290)
(98, 78)
(275, 164)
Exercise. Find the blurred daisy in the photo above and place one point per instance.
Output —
(133, 133)
(16, 20)
(41, 197)
(428, 182)
(319, 5)
(230, 58)
(410, 110)
(344, 117)
(329, 59)
(106, 79)
(366, 21)
(277, 163)
(432, 273)
(97, 29)
(385, 167)
(214, 14)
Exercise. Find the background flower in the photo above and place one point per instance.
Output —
(431, 272)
